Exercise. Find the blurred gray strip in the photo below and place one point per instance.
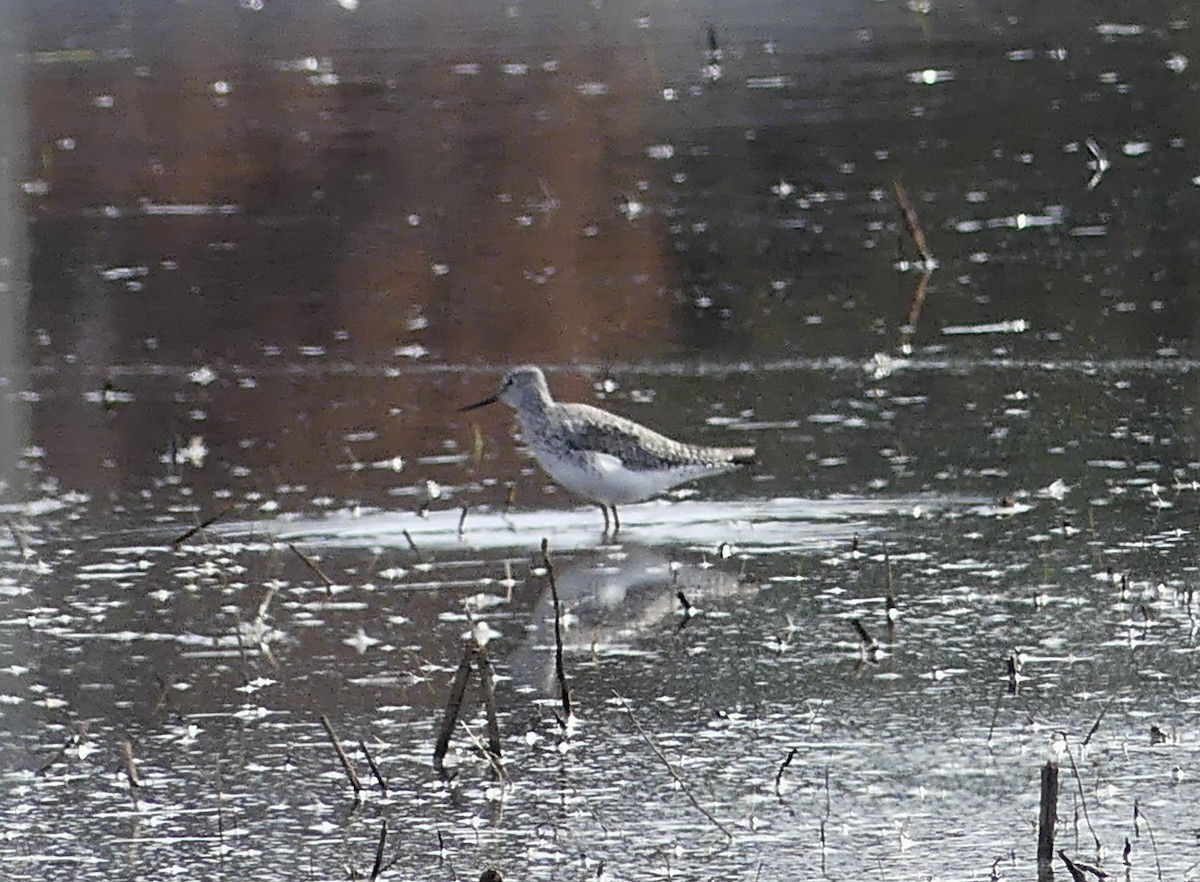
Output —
(14, 246)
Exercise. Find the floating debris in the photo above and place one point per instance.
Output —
(1013, 326)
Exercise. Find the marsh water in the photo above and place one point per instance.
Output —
(256, 254)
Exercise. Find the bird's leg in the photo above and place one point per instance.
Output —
(604, 508)
(616, 521)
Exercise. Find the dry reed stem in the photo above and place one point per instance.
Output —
(203, 525)
(559, 670)
(312, 565)
(379, 779)
(378, 867)
(671, 769)
(487, 681)
(347, 766)
(131, 771)
(910, 221)
(454, 700)
(783, 767)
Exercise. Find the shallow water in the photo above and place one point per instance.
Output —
(269, 251)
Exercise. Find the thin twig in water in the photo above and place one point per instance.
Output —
(462, 520)
(218, 786)
(995, 715)
(492, 758)
(782, 768)
(379, 779)
(347, 766)
(867, 643)
(825, 821)
(203, 525)
(910, 221)
(131, 770)
(488, 684)
(411, 544)
(79, 737)
(312, 565)
(1139, 814)
(49, 764)
(1082, 799)
(1096, 725)
(666, 762)
(375, 870)
(458, 688)
(19, 538)
(559, 670)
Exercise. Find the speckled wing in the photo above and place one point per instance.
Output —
(588, 428)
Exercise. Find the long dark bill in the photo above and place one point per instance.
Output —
(484, 403)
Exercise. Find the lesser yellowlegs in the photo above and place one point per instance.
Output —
(600, 456)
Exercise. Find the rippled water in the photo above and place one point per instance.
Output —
(269, 251)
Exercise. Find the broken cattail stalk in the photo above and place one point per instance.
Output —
(1076, 871)
(19, 538)
(685, 603)
(870, 648)
(1139, 819)
(219, 788)
(203, 525)
(411, 544)
(312, 565)
(559, 671)
(1048, 814)
(347, 766)
(379, 779)
(688, 609)
(131, 770)
(1096, 725)
(783, 768)
(889, 589)
(487, 681)
(1014, 674)
(378, 867)
(825, 820)
(265, 603)
(889, 597)
(458, 688)
(486, 753)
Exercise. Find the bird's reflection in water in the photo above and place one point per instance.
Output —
(609, 597)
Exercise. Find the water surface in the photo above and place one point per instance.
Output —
(261, 254)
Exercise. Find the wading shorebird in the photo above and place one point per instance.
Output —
(600, 456)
